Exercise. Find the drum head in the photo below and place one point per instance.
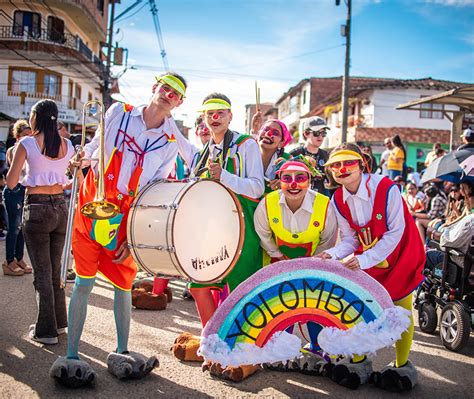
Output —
(207, 231)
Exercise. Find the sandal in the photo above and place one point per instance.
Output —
(27, 269)
(12, 269)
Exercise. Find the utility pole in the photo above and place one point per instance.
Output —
(346, 32)
(107, 79)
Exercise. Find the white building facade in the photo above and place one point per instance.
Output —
(50, 50)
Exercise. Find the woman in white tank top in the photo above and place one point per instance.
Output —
(46, 156)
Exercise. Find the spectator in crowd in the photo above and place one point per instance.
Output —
(414, 177)
(397, 158)
(456, 204)
(412, 198)
(314, 132)
(384, 157)
(457, 235)
(437, 203)
(440, 152)
(401, 183)
(14, 264)
(46, 155)
(367, 150)
(467, 139)
(3, 157)
(202, 131)
(431, 156)
(3, 215)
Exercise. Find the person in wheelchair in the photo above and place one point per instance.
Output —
(457, 235)
(450, 279)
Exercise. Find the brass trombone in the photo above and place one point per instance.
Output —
(99, 208)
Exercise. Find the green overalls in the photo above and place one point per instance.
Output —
(250, 259)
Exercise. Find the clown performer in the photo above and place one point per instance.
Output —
(138, 148)
(272, 137)
(379, 236)
(296, 222)
(235, 161)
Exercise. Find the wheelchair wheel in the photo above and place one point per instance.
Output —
(454, 327)
(427, 318)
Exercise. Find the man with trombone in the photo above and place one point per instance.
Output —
(137, 144)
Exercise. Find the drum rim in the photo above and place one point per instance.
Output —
(169, 232)
(241, 233)
(130, 222)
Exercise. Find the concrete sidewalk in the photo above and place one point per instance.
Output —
(24, 365)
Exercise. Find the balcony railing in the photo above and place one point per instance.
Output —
(18, 105)
(51, 37)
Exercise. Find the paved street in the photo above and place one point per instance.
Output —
(24, 364)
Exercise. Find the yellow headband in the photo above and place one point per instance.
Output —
(343, 155)
(214, 104)
(173, 82)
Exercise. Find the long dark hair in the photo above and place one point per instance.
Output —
(46, 112)
(397, 142)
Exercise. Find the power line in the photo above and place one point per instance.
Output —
(154, 68)
(119, 20)
(156, 22)
(279, 59)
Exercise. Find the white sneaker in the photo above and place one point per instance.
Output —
(45, 340)
(62, 331)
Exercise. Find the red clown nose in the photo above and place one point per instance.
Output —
(342, 170)
(170, 95)
(215, 116)
(293, 184)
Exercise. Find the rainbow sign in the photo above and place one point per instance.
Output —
(356, 312)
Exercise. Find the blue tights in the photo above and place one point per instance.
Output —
(78, 312)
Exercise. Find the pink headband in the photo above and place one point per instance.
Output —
(293, 166)
(287, 138)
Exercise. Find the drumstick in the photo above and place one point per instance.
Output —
(257, 97)
(369, 233)
(364, 234)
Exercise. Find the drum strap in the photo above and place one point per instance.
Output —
(204, 156)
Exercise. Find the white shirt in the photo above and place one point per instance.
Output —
(361, 207)
(251, 184)
(295, 223)
(157, 164)
(384, 157)
(415, 178)
(271, 168)
(459, 236)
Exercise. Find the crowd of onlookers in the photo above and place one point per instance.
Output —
(435, 204)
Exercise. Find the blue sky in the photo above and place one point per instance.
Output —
(225, 45)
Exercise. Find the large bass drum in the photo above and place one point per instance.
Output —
(193, 229)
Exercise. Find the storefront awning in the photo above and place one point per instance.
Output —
(462, 97)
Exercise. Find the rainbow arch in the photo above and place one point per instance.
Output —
(307, 289)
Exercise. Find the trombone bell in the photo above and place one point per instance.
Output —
(100, 210)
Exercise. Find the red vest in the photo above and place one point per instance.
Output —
(406, 262)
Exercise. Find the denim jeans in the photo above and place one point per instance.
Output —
(392, 174)
(44, 228)
(14, 244)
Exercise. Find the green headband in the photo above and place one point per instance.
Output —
(173, 82)
(214, 104)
